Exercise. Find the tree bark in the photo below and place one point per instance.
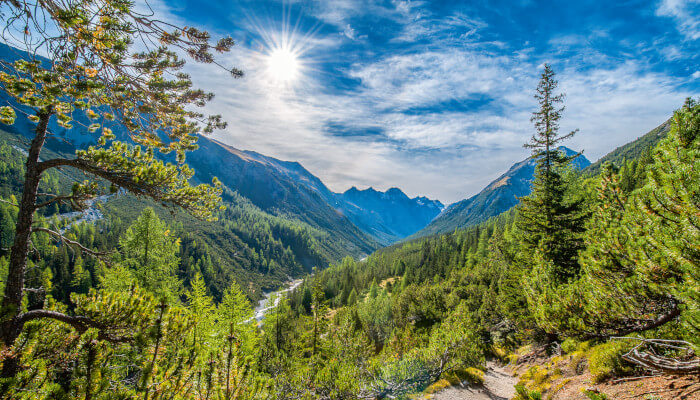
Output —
(11, 326)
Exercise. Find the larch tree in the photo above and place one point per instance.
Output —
(100, 63)
(151, 252)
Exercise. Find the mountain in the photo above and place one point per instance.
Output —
(499, 196)
(281, 188)
(387, 216)
(361, 220)
(632, 149)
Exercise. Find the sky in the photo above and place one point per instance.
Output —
(435, 97)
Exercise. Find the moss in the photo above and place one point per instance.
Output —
(512, 358)
(475, 376)
(605, 360)
(577, 362)
(595, 395)
(583, 346)
(557, 388)
(556, 361)
(522, 393)
(537, 379)
(437, 386)
(524, 350)
(499, 352)
(471, 375)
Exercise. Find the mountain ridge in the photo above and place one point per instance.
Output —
(498, 196)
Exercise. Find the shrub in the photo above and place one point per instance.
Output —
(538, 379)
(523, 394)
(512, 358)
(569, 345)
(605, 360)
(578, 362)
(595, 395)
(472, 375)
(438, 386)
(499, 352)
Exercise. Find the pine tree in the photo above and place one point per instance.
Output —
(640, 269)
(550, 219)
(373, 290)
(352, 298)
(94, 71)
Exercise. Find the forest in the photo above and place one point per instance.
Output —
(149, 302)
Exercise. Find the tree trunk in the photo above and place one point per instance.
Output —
(11, 327)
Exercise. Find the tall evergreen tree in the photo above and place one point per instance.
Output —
(550, 219)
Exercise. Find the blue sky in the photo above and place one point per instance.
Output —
(435, 97)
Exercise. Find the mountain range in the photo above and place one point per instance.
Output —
(356, 221)
(363, 219)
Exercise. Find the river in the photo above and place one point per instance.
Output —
(264, 305)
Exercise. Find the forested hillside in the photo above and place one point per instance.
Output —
(499, 196)
(637, 149)
(244, 245)
(126, 274)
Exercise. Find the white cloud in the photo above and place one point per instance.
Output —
(450, 154)
(686, 14)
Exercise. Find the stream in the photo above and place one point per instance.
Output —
(265, 305)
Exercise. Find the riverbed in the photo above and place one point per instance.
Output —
(266, 304)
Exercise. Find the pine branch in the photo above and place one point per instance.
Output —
(79, 323)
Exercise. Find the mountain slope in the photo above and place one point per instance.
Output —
(287, 188)
(632, 149)
(499, 196)
(277, 187)
(280, 188)
(387, 216)
(254, 248)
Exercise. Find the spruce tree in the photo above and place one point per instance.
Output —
(550, 219)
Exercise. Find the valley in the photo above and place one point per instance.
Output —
(246, 200)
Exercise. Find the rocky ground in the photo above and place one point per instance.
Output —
(498, 385)
(499, 382)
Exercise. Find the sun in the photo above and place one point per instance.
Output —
(283, 65)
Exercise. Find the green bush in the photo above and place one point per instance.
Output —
(569, 345)
(605, 360)
(595, 395)
(523, 394)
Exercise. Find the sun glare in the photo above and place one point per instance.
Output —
(283, 65)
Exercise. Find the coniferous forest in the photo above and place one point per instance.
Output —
(127, 276)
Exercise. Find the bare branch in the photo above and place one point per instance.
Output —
(9, 202)
(97, 254)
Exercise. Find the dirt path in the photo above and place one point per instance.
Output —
(498, 385)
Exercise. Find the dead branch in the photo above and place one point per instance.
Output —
(644, 355)
(97, 254)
